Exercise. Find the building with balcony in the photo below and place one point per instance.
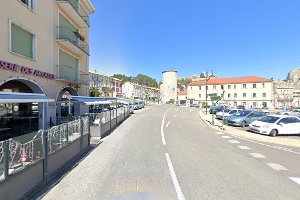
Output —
(44, 50)
(250, 91)
(283, 94)
(102, 83)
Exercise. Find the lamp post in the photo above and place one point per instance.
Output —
(206, 80)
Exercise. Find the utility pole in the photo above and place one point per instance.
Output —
(206, 80)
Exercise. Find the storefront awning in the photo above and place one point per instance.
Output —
(16, 97)
(91, 100)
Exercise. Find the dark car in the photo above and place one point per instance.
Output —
(214, 110)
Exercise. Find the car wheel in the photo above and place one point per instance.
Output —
(285, 114)
(273, 133)
(243, 124)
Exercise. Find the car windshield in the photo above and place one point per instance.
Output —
(297, 111)
(232, 111)
(227, 111)
(242, 113)
(269, 119)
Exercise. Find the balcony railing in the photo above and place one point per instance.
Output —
(72, 75)
(80, 11)
(65, 33)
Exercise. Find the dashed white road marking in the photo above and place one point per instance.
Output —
(234, 141)
(175, 115)
(275, 147)
(226, 137)
(257, 155)
(220, 133)
(162, 129)
(168, 124)
(276, 166)
(179, 193)
(244, 147)
(295, 179)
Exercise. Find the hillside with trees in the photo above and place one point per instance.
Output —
(140, 79)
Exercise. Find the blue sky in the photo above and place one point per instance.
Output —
(231, 37)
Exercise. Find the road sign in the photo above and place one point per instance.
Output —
(215, 98)
(213, 94)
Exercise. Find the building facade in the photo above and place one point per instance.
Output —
(101, 85)
(250, 92)
(283, 94)
(182, 98)
(169, 86)
(44, 50)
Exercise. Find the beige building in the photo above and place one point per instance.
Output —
(44, 50)
(104, 84)
(169, 86)
(283, 94)
(251, 91)
(182, 98)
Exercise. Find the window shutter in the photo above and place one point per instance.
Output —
(21, 41)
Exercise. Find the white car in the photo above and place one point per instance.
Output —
(275, 125)
(265, 110)
(227, 113)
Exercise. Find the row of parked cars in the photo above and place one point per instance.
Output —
(261, 122)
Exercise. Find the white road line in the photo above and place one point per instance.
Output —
(179, 193)
(191, 110)
(220, 133)
(175, 115)
(257, 155)
(162, 128)
(234, 141)
(275, 147)
(243, 147)
(168, 124)
(295, 179)
(276, 166)
(226, 137)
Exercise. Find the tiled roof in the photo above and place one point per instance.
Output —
(218, 81)
(182, 93)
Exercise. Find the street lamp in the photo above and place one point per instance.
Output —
(206, 80)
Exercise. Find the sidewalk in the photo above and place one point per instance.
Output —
(248, 135)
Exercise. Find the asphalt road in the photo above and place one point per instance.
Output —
(167, 152)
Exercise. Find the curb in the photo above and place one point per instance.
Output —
(251, 138)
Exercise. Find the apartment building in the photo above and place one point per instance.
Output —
(251, 91)
(133, 91)
(104, 84)
(44, 50)
(283, 93)
(117, 87)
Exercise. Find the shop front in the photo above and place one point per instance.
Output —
(23, 107)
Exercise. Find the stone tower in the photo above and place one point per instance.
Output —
(169, 87)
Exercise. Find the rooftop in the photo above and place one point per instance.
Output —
(217, 81)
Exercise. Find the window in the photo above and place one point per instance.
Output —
(244, 95)
(229, 95)
(254, 95)
(263, 85)
(22, 42)
(235, 95)
(222, 87)
(234, 86)
(199, 87)
(214, 87)
(254, 104)
(30, 4)
(191, 87)
(244, 86)
(264, 95)
(264, 104)
(199, 96)
(229, 86)
(254, 85)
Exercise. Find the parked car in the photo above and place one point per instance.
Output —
(244, 118)
(275, 125)
(265, 110)
(295, 113)
(195, 105)
(135, 105)
(284, 112)
(216, 109)
(227, 113)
